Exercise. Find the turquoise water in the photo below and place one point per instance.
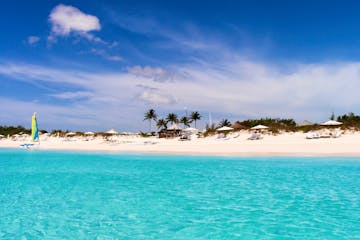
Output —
(53, 195)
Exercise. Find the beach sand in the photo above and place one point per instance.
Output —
(286, 144)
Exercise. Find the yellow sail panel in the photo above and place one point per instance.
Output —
(34, 129)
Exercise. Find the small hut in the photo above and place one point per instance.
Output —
(171, 132)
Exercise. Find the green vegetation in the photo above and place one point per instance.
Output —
(350, 120)
(11, 130)
(224, 123)
(150, 115)
(58, 132)
(195, 116)
(161, 124)
(172, 117)
(275, 124)
(270, 122)
(186, 121)
(210, 129)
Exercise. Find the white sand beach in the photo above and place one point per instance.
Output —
(286, 144)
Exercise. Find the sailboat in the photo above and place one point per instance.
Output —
(34, 133)
(34, 129)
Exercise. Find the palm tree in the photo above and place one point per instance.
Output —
(161, 123)
(172, 117)
(194, 116)
(150, 115)
(186, 121)
(224, 123)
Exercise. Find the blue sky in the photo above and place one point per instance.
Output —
(94, 65)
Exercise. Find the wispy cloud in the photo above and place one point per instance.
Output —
(238, 88)
(184, 35)
(72, 95)
(146, 71)
(31, 40)
(158, 74)
(105, 55)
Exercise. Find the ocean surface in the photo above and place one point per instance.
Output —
(59, 195)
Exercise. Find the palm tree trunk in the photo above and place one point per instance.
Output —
(150, 125)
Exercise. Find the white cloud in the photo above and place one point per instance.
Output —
(72, 95)
(34, 73)
(158, 74)
(146, 71)
(33, 39)
(154, 97)
(105, 55)
(114, 58)
(68, 19)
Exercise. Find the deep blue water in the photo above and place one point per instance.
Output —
(58, 195)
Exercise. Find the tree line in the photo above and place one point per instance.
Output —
(12, 130)
(349, 120)
(162, 123)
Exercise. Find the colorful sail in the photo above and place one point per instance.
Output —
(34, 129)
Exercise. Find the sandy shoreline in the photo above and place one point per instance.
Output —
(288, 144)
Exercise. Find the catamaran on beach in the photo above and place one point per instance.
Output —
(34, 133)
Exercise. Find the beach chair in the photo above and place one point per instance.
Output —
(309, 135)
(253, 136)
(312, 135)
(337, 134)
(316, 135)
(185, 137)
(220, 136)
(150, 142)
(236, 135)
(325, 135)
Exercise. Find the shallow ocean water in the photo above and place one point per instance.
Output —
(69, 195)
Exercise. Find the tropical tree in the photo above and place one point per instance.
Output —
(150, 115)
(224, 123)
(186, 121)
(161, 123)
(194, 116)
(172, 117)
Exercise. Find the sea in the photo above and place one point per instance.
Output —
(78, 195)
